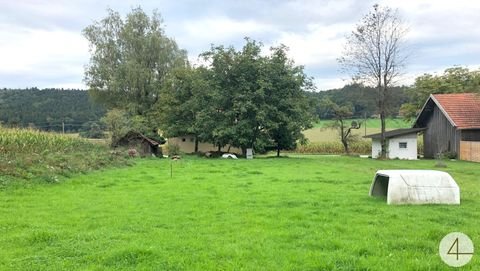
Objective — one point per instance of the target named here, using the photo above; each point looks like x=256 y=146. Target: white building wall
x=393 y=147
x=394 y=150
x=187 y=145
x=376 y=148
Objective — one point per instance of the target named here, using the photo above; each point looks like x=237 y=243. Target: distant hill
x=362 y=99
x=46 y=109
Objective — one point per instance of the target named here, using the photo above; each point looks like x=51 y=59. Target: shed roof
x=136 y=135
x=461 y=109
x=396 y=133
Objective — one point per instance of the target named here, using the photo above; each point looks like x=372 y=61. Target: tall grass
x=27 y=155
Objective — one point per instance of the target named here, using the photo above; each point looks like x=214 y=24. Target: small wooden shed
x=143 y=145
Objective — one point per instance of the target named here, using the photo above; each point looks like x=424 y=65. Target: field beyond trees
x=322 y=131
x=297 y=213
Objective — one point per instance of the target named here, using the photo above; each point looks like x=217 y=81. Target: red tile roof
x=462 y=108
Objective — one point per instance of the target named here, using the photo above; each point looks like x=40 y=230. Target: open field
x=297 y=213
x=322 y=133
x=371 y=123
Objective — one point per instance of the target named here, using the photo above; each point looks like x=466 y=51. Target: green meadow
x=295 y=213
x=323 y=133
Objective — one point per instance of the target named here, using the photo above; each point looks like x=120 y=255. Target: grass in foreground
x=302 y=213
x=28 y=156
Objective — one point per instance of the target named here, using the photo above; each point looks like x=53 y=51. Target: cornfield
x=30 y=155
x=359 y=147
x=15 y=141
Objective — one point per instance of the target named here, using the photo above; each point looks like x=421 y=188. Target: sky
x=41 y=44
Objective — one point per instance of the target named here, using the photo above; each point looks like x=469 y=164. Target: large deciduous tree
x=375 y=54
x=130 y=59
x=240 y=98
x=259 y=100
x=185 y=97
x=239 y=75
x=289 y=112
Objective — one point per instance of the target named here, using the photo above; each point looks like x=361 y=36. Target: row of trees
x=245 y=98
x=240 y=98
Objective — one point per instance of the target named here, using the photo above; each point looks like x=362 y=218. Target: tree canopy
x=241 y=98
x=453 y=80
x=130 y=59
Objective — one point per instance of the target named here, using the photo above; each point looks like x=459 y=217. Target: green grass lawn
x=297 y=213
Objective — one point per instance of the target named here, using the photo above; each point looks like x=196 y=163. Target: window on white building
x=402 y=145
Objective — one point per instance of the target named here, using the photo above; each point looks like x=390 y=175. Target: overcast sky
x=41 y=43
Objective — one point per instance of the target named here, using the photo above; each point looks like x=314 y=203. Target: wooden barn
x=143 y=145
x=452 y=123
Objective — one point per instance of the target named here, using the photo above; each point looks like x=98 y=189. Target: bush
x=173 y=149
x=92 y=130
x=446 y=155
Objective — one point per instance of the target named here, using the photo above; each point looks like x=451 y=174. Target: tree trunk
x=244 y=152
x=219 y=148
x=345 y=146
x=278 y=150
x=196 y=144
x=383 y=141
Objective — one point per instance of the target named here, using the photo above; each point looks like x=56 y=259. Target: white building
x=401 y=143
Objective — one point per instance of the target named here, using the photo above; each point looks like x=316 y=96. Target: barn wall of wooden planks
x=470 y=151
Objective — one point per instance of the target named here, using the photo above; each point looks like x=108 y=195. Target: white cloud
x=41 y=42
x=321 y=44
x=208 y=30
x=329 y=83
x=43 y=53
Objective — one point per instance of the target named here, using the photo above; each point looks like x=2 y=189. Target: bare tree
x=375 y=54
x=341 y=114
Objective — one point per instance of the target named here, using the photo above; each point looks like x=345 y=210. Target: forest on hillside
x=47 y=109
x=361 y=100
